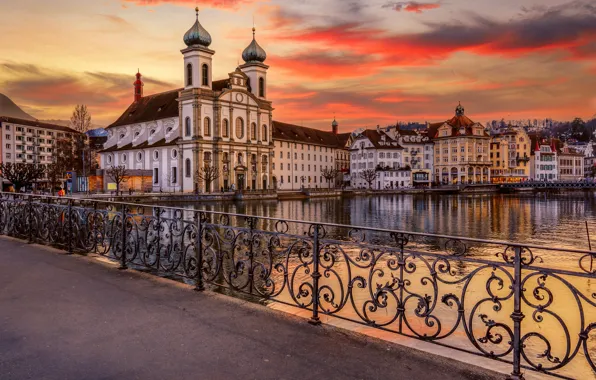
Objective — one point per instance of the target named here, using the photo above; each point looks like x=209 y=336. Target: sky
x=366 y=62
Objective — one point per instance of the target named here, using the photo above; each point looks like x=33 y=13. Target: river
x=528 y=218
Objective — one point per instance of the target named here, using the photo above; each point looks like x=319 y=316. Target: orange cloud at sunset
x=368 y=63
x=411 y=6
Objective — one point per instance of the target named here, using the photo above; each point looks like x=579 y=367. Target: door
x=240 y=181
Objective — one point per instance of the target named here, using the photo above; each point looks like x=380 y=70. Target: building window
x=253 y=131
x=207 y=156
x=174 y=174
x=239 y=128
x=156 y=155
x=207 y=127
x=265 y=134
x=189 y=75
x=187 y=128
x=139 y=156
x=174 y=153
x=187 y=167
x=155 y=175
x=226 y=128
x=262 y=87
x=123 y=157
x=205 y=75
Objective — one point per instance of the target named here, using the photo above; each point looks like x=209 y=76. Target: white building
x=418 y=154
x=543 y=161
x=225 y=124
x=571 y=164
x=376 y=150
x=302 y=155
x=30 y=142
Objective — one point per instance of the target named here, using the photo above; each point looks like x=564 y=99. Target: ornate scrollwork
x=445 y=290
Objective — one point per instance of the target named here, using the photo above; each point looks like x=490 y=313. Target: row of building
x=165 y=140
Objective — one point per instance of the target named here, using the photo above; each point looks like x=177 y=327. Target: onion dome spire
x=197 y=35
x=254 y=52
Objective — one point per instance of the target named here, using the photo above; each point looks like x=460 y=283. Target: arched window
x=187 y=167
x=225 y=128
x=239 y=128
x=262 y=87
x=205 y=76
x=253 y=131
x=207 y=127
x=189 y=75
x=187 y=128
x=265 y=134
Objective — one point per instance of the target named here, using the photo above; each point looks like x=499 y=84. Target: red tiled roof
x=296 y=133
x=149 y=108
x=375 y=137
x=456 y=123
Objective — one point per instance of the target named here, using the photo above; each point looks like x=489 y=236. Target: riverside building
x=30 y=142
x=304 y=155
x=461 y=150
x=223 y=124
x=376 y=150
x=510 y=152
x=543 y=162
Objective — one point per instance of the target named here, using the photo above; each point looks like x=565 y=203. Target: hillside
x=10 y=109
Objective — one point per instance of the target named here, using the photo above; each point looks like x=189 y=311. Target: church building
x=224 y=125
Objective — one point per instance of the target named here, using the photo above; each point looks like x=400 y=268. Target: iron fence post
x=69 y=236
x=517 y=316
x=199 y=285
x=30 y=219
x=123 y=257
x=95 y=234
x=315 y=320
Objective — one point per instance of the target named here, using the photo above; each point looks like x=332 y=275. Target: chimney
x=138 y=87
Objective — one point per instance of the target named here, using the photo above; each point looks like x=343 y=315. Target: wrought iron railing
x=531 y=306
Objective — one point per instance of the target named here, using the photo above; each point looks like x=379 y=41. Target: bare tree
x=20 y=174
x=80 y=120
x=330 y=175
x=369 y=176
x=118 y=174
x=208 y=173
x=55 y=174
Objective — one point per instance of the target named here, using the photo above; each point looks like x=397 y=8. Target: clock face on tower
x=239 y=98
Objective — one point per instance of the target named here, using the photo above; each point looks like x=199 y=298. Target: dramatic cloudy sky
x=367 y=61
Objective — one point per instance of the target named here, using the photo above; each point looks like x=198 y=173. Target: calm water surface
x=535 y=219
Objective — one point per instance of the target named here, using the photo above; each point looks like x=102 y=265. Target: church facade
x=208 y=126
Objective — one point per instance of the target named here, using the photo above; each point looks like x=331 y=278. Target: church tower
x=254 y=67
x=197 y=57
x=138 y=87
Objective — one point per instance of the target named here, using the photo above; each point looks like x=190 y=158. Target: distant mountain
x=10 y=109
x=64 y=123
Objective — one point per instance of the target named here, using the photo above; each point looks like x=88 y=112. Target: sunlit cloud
x=411 y=6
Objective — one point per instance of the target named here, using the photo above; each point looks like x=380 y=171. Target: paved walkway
x=69 y=317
